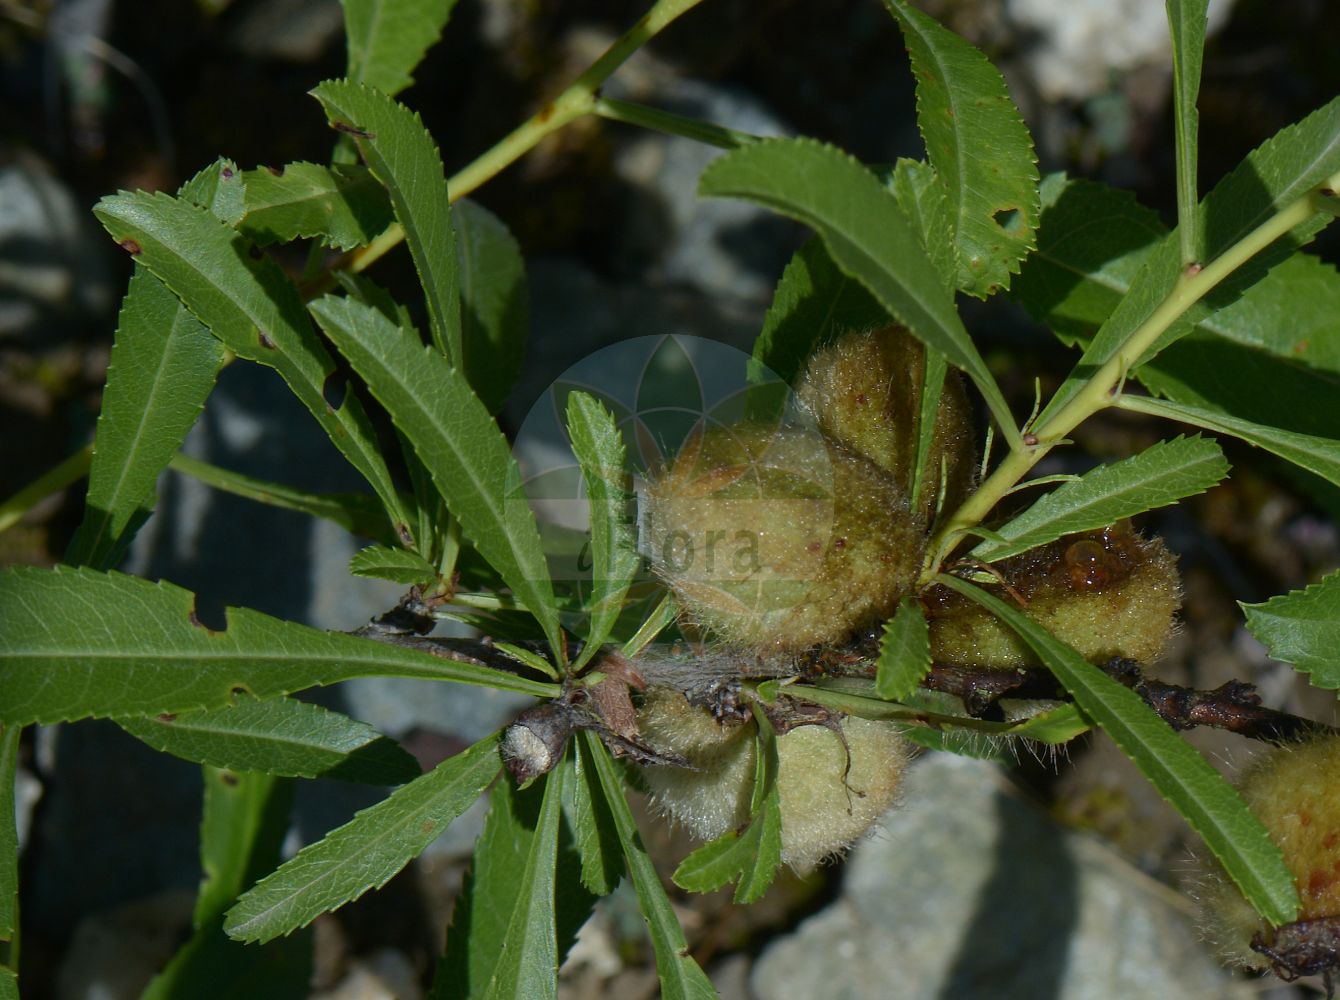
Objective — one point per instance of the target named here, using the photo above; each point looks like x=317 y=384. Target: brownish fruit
x=776 y=539
x=864 y=391
x=1107 y=593
x=828 y=799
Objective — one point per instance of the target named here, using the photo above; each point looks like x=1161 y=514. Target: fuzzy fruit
x=1107 y=593
x=1295 y=792
x=825 y=806
x=864 y=391
x=774 y=538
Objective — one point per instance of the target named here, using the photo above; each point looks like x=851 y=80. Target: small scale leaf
x=1316 y=454
x=1182 y=776
x=904 y=652
x=388 y=38
x=599 y=448
x=163 y=366
x=867 y=235
x=404 y=157
x=964 y=109
x=367 y=851
x=78 y=643
x=342 y=205
x=278 y=736
x=681 y=977
x=457 y=440
x=1158 y=476
x=1303 y=628
x=396 y=565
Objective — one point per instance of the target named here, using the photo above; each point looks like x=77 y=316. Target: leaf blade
x=963 y=107
x=458 y=441
x=386 y=39
x=495 y=302
x=278 y=736
x=1160 y=475
x=163 y=366
x=1303 y=628
x=79 y=643
x=599 y=448
x=342 y=205
x=1187 y=25
x=867 y=235
x=367 y=851
x=254 y=309
x=904 y=652
x=404 y=157
x=1174 y=767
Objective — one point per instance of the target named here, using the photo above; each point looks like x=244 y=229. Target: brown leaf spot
x=129 y=246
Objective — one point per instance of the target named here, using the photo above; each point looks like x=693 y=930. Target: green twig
x=62 y=476
x=578 y=100
x=1104 y=387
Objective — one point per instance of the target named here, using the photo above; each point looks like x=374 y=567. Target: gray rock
x=969 y=891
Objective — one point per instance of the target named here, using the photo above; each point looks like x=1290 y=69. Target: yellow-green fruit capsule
x=776 y=539
x=825 y=806
x=1295 y=792
x=1108 y=594
x=864 y=390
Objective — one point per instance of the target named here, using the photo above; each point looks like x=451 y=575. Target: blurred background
x=991 y=882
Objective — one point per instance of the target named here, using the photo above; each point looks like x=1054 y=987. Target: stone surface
x=967 y=890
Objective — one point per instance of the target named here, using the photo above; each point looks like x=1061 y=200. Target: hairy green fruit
x=864 y=390
x=1295 y=792
x=1108 y=594
x=775 y=538
x=825 y=803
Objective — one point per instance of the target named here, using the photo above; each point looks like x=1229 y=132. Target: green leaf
x=396 y=565
x=495 y=304
x=249 y=305
x=904 y=652
x=928 y=408
x=1186 y=22
x=342 y=205
x=163 y=366
x=964 y=111
x=9 y=984
x=1316 y=454
x=9 y=834
x=278 y=736
x=527 y=956
x=1182 y=776
x=367 y=851
x=1303 y=628
x=1054 y=726
x=388 y=38
x=357 y=513
x=1158 y=476
x=506 y=924
x=598 y=445
x=1283 y=169
x=402 y=154
x=220 y=189
x=78 y=643
x=246 y=817
x=681 y=977
x=588 y=815
x=815 y=302
x=456 y=439
x=867 y=234
x=753 y=855
x=922 y=196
